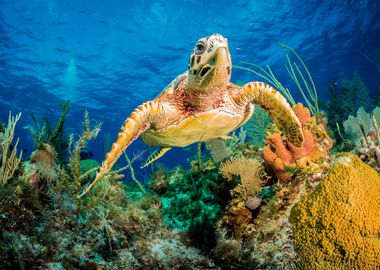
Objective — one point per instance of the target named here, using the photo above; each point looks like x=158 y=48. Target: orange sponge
x=280 y=154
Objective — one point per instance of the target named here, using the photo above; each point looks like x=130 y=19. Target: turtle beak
x=223 y=57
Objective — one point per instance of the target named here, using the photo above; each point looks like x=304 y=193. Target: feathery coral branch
x=9 y=161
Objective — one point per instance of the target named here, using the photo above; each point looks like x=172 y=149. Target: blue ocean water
x=107 y=57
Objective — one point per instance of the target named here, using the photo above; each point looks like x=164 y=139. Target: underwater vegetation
x=190 y=202
x=345 y=98
x=363 y=132
x=298 y=73
x=46 y=225
x=43 y=134
x=253 y=201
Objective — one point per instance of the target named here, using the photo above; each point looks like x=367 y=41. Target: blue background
x=108 y=57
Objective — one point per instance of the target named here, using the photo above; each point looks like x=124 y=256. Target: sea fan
x=257 y=126
x=250 y=172
x=358 y=127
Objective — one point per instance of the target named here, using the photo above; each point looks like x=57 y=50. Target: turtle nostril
x=204 y=71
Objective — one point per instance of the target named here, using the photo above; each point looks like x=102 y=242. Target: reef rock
x=337 y=226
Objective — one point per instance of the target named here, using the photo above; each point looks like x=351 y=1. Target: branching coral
x=75 y=177
x=74 y=161
x=133 y=176
x=105 y=225
x=44 y=135
x=9 y=159
x=281 y=157
x=337 y=226
x=59 y=126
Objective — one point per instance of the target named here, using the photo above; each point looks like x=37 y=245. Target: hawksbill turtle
x=200 y=105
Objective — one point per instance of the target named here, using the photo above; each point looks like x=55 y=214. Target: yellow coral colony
x=338 y=225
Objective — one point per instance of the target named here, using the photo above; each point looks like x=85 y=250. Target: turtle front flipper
x=276 y=105
x=139 y=121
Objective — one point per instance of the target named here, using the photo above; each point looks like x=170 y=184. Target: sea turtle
x=201 y=105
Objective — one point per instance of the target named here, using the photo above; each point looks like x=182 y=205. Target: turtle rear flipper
x=139 y=121
x=276 y=105
x=155 y=155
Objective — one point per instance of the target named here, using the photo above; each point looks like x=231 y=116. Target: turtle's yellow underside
x=200 y=127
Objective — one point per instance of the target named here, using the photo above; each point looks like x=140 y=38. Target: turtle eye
x=200 y=47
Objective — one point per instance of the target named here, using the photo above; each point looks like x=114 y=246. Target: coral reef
x=238 y=215
x=281 y=157
x=9 y=161
x=46 y=226
x=191 y=202
x=87 y=165
x=231 y=215
x=336 y=226
x=363 y=132
x=45 y=155
x=266 y=242
x=345 y=98
x=357 y=127
x=43 y=134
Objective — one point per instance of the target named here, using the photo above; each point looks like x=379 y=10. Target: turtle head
x=210 y=63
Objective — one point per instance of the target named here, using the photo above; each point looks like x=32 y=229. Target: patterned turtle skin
x=201 y=105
